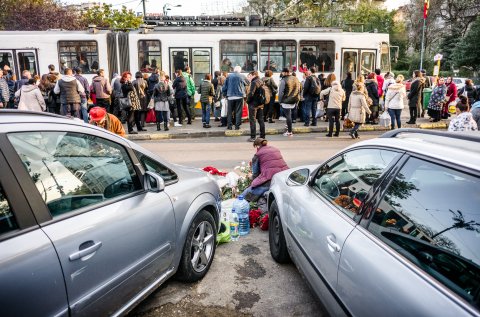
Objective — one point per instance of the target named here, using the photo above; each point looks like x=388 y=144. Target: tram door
x=358 y=62
x=199 y=60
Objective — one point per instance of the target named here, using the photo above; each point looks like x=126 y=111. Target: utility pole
x=144 y=10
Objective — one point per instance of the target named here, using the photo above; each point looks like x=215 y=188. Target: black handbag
x=125 y=103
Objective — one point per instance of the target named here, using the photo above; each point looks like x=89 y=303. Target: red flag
x=426 y=5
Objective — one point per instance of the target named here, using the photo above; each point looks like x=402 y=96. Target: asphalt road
x=243 y=279
x=227 y=152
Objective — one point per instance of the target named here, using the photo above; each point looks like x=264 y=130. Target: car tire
x=276 y=236
x=199 y=248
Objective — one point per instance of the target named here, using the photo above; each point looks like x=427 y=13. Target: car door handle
x=84 y=252
x=331 y=243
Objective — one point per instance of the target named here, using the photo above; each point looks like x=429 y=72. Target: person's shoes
x=222 y=125
x=237 y=128
x=142 y=130
x=207 y=126
x=271 y=121
x=328 y=135
x=217 y=119
x=306 y=125
x=166 y=129
x=132 y=132
x=251 y=140
x=189 y=122
x=229 y=128
x=288 y=134
x=282 y=119
x=176 y=124
x=313 y=124
x=409 y=122
x=336 y=134
x=356 y=135
x=423 y=114
x=352 y=135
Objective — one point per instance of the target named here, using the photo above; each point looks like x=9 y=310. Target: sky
x=193 y=7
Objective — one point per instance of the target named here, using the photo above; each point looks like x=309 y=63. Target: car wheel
x=199 y=248
x=276 y=236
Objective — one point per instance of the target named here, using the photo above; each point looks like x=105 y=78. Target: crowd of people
x=127 y=99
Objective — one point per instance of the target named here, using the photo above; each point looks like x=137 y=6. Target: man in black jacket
x=311 y=97
x=255 y=107
x=414 y=96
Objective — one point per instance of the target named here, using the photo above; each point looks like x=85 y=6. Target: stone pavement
x=196 y=130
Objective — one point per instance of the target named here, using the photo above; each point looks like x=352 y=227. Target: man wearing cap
x=100 y=118
x=266 y=162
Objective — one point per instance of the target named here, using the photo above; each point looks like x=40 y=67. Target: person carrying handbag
x=130 y=103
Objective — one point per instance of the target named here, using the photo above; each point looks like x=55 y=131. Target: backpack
x=160 y=92
x=263 y=94
x=315 y=88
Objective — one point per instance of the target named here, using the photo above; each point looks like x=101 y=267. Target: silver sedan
x=387 y=227
x=91 y=223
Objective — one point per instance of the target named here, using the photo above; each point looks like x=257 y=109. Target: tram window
x=83 y=54
x=385 y=58
x=26 y=61
x=367 y=63
x=318 y=54
x=238 y=53
x=6 y=58
x=275 y=55
x=149 y=55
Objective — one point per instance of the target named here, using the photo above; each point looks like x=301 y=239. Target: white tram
x=205 y=49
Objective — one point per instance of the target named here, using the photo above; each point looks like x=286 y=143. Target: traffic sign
x=437 y=57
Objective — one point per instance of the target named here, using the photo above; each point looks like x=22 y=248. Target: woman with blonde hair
x=395 y=101
x=357 y=108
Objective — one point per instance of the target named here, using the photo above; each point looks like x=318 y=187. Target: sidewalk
x=196 y=130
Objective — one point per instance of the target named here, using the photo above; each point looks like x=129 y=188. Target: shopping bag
x=320 y=112
x=151 y=118
x=223 y=112
x=245 y=112
x=347 y=123
x=385 y=120
x=151 y=104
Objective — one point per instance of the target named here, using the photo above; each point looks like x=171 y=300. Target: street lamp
x=168 y=7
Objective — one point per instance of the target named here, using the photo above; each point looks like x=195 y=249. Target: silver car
x=387 y=227
x=91 y=223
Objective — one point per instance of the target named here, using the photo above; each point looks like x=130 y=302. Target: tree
x=460 y=223
x=467 y=51
x=372 y=17
x=106 y=17
x=37 y=15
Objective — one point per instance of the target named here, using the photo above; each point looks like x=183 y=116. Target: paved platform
x=196 y=130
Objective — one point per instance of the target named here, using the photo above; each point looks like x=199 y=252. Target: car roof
x=14 y=116
x=456 y=148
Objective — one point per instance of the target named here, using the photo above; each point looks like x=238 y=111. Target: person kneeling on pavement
x=266 y=162
x=100 y=118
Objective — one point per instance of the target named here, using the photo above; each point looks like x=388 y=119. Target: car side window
x=346 y=179
x=430 y=214
x=7 y=218
x=151 y=165
x=74 y=170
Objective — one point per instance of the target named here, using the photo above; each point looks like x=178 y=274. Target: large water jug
x=242 y=208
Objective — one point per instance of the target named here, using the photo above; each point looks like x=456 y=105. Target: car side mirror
x=298 y=177
x=153 y=182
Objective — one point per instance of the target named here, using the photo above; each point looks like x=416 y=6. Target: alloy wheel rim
x=202 y=246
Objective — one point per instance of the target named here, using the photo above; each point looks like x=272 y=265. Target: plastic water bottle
x=242 y=207
x=234 y=235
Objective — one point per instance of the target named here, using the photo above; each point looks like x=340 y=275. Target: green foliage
x=105 y=17
x=373 y=18
x=466 y=53
x=37 y=15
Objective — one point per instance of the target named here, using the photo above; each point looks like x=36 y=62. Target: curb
x=270 y=131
